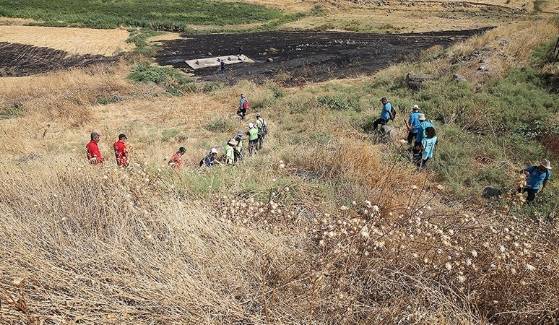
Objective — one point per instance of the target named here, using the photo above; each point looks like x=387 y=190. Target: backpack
x=246 y=105
x=264 y=129
x=392 y=113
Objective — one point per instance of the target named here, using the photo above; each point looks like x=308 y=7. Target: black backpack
x=392 y=113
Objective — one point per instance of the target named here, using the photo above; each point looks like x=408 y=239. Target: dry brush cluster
x=100 y=245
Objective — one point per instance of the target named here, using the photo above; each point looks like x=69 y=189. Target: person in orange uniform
x=93 y=153
x=121 y=151
x=176 y=160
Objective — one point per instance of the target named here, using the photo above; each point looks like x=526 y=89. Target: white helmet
x=251 y=125
x=415 y=107
x=213 y=150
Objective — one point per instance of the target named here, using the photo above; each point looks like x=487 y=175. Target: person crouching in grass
x=536 y=179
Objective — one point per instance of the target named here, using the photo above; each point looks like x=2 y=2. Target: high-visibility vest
x=253 y=134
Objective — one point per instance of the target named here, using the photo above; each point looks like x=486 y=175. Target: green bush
x=106 y=100
x=340 y=103
x=139 y=38
x=219 y=125
x=174 y=81
x=11 y=111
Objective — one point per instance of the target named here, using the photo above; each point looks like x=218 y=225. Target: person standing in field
x=93 y=153
x=252 y=138
x=536 y=179
x=413 y=124
x=262 y=130
x=244 y=105
x=121 y=151
x=176 y=160
x=387 y=113
x=230 y=152
x=239 y=147
x=428 y=144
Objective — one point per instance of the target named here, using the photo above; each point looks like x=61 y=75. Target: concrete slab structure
x=216 y=61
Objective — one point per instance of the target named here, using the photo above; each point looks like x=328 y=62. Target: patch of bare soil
x=23 y=60
x=301 y=56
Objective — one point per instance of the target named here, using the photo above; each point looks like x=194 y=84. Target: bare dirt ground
x=24 y=60
x=298 y=57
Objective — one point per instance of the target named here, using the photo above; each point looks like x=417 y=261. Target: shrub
x=174 y=81
x=11 y=111
x=339 y=103
x=219 y=125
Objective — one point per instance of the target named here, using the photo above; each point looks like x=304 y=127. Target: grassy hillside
x=324 y=225
x=171 y=15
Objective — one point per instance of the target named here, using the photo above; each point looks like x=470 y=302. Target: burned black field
x=299 y=57
x=18 y=60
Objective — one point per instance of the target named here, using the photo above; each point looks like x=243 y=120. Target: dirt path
x=299 y=57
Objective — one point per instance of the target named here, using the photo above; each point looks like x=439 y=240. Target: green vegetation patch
x=11 y=111
x=175 y=82
x=170 y=15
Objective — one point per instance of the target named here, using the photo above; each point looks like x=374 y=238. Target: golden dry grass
x=106 y=42
x=503 y=48
x=273 y=240
x=288 y=5
x=419 y=16
x=15 y=21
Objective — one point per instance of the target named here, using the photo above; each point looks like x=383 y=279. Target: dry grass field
x=71 y=40
x=325 y=225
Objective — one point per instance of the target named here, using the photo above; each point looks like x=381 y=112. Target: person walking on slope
x=424 y=123
x=239 y=147
x=121 y=151
x=387 y=113
x=428 y=144
x=244 y=105
x=262 y=130
x=211 y=159
x=252 y=138
x=413 y=124
x=176 y=159
x=93 y=153
x=536 y=179
x=230 y=152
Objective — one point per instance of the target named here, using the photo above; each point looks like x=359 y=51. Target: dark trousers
x=252 y=146
x=531 y=193
x=378 y=121
x=411 y=137
x=422 y=163
x=238 y=155
x=242 y=113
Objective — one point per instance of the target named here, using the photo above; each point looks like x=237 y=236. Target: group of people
x=120 y=147
x=233 y=151
x=255 y=134
x=422 y=139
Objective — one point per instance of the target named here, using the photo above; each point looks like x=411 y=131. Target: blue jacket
x=414 y=122
x=421 y=130
x=428 y=147
x=536 y=177
x=386 y=110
